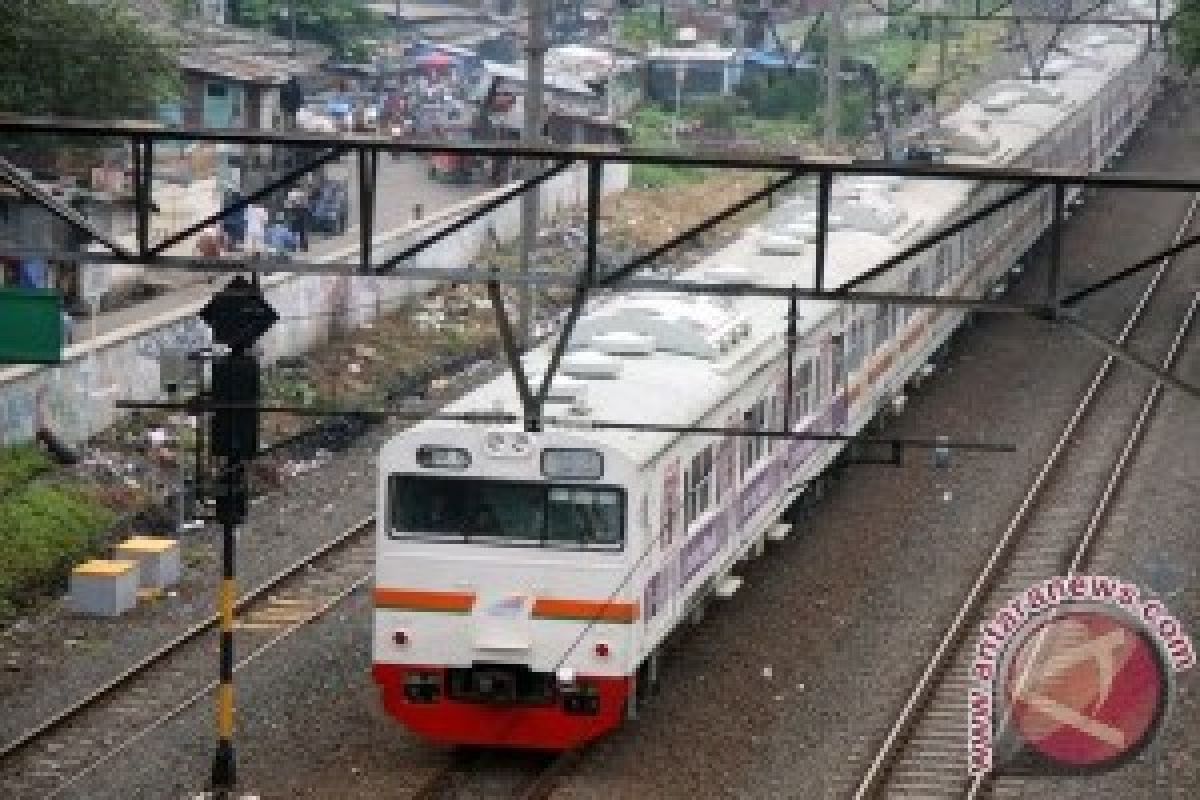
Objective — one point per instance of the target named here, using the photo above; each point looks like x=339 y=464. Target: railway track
x=62 y=750
x=492 y=775
x=1052 y=532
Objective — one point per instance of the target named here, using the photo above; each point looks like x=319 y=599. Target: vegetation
x=45 y=529
x=81 y=59
x=19 y=465
x=652 y=129
x=341 y=24
x=796 y=96
x=641 y=28
x=1185 y=28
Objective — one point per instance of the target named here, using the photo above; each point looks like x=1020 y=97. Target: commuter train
x=526 y=582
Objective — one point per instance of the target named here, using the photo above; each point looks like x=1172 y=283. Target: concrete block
x=104 y=588
x=158 y=560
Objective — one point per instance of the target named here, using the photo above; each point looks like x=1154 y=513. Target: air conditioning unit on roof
x=591 y=365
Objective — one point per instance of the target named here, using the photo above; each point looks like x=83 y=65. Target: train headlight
x=435 y=457
x=575 y=463
x=565 y=677
x=422 y=687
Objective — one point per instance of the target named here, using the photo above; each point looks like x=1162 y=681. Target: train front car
x=503 y=614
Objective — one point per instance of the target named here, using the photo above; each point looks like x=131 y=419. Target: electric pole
x=534 y=76
x=833 y=70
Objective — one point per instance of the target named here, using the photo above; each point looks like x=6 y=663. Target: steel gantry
x=782 y=172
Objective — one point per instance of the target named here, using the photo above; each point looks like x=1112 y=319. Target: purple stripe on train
x=701 y=546
x=832 y=420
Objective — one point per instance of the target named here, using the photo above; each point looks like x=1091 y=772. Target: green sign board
x=31 y=326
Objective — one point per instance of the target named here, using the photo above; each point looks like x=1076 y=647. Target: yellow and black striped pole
x=224 y=769
x=238 y=315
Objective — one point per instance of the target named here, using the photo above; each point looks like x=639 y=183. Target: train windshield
x=506 y=513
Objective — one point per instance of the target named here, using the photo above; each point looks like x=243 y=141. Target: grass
x=45 y=529
x=19 y=465
x=652 y=129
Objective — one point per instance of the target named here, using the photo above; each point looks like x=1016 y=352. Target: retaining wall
x=76 y=398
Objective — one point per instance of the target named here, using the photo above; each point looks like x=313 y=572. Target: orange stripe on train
x=587 y=610
x=543 y=607
x=422 y=600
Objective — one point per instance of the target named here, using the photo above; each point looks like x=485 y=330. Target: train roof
x=717 y=346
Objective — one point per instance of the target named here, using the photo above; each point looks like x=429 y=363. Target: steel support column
x=586 y=282
x=368 y=176
x=1057 y=230
x=824 y=190
x=512 y=353
x=143 y=190
x=791 y=337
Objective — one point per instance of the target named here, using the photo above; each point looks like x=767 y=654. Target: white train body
x=517 y=608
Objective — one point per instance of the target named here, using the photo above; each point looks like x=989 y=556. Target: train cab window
x=505 y=512
x=583 y=516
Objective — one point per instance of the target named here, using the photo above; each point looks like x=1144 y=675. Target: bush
x=44 y=531
x=19 y=465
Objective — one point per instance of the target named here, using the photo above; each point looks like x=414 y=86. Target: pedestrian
x=208 y=243
x=279 y=237
x=234 y=225
x=256 y=230
x=297 y=212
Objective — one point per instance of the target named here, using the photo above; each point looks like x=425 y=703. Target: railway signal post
x=238 y=315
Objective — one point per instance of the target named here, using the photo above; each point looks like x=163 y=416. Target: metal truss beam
x=1146 y=263
x=609 y=155
x=1123 y=352
x=575 y=423
x=512 y=353
x=27 y=187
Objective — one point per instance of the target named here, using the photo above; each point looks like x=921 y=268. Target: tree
x=84 y=60
x=1185 y=29
x=341 y=24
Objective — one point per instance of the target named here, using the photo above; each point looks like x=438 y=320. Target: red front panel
x=546 y=727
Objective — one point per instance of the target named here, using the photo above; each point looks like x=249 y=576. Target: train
x=526 y=582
